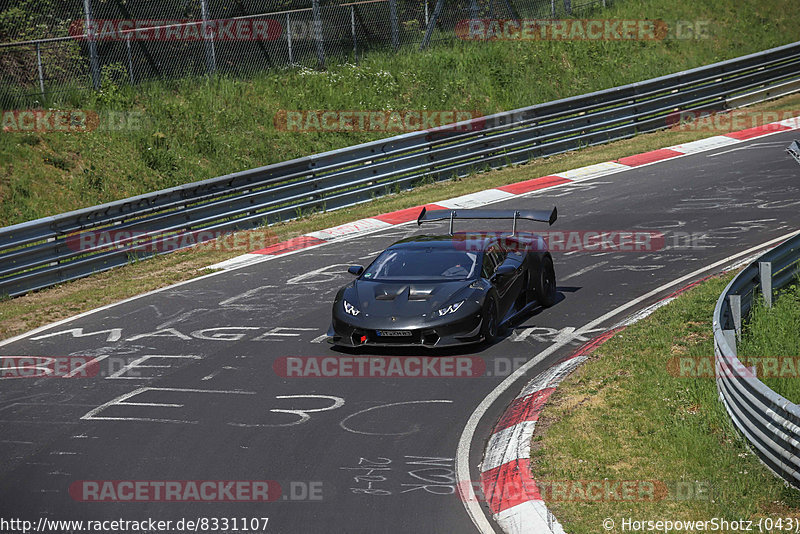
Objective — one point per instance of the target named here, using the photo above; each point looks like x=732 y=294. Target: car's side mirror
x=355 y=270
x=504 y=270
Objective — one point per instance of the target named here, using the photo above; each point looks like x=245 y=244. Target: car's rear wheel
x=546 y=283
x=489 y=328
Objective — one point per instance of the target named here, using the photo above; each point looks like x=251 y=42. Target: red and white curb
x=498 y=194
x=508 y=485
x=507 y=481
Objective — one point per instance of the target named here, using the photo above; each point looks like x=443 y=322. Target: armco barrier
x=37 y=254
x=768 y=421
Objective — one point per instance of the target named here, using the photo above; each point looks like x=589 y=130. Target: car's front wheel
x=489 y=328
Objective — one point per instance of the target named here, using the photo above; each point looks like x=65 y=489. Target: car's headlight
x=450 y=309
x=350 y=309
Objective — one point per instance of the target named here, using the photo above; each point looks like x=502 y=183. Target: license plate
x=393 y=333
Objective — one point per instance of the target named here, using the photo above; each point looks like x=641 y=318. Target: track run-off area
x=192 y=382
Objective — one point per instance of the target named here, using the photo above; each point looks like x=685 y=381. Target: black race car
x=443 y=290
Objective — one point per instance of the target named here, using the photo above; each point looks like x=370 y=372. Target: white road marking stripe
x=347 y=229
x=474 y=200
x=702 y=145
x=583 y=271
x=593 y=171
x=239 y=261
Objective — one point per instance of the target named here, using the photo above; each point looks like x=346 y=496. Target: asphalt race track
x=355 y=455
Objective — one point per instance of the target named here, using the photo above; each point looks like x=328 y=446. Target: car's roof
x=443 y=242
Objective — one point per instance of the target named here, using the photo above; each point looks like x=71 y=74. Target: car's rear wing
x=531 y=215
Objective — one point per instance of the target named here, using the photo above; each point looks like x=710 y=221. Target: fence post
x=511 y=10
x=437 y=10
x=318 y=33
x=130 y=58
x=765 y=274
x=473 y=9
x=289 y=39
x=394 y=24
x=94 y=63
x=426 y=13
x=353 y=32
x=552 y=8
x=39 y=64
x=208 y=37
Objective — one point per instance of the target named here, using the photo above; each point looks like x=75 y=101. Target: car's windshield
x=423 y=264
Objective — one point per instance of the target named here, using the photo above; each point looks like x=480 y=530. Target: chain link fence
x=53 y=48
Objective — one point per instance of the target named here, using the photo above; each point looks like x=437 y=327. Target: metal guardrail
x=770 y=422
x=41 y=253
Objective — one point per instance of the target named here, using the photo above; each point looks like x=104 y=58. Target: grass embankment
x=200 y=128
x=771 y=340
x=626 y=414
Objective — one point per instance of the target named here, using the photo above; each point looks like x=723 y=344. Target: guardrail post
x=318 y=32
x=730 y=337
x=94 y=63
x=736 y=313
x=41 y=72
x=765 y=274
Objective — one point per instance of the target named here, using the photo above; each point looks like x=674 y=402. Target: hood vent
x=414 y=293
x=419 y=294
x=387 y=293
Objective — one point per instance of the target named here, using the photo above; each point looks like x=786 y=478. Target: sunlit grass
x=775 y=332
x=624 y=415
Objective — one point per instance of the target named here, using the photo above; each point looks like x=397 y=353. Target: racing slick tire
x=489 y=329
x=545 y=286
